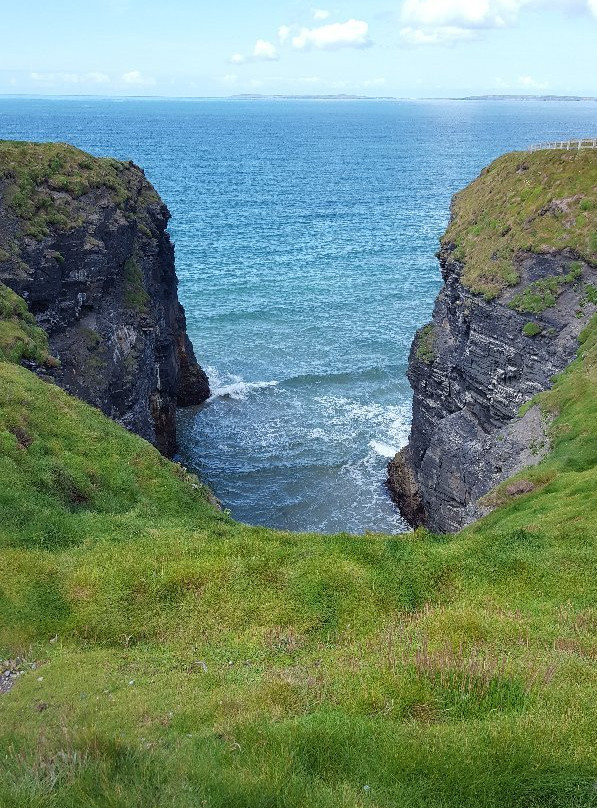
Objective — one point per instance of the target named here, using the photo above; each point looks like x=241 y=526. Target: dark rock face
x=471 y=371
x=104 y=288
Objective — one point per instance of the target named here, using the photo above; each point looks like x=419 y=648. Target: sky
x=404 y=48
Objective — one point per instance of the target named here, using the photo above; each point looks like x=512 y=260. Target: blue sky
x=412 y=48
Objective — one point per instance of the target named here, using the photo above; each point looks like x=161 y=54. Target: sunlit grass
x=537 y=202
x=185 y=659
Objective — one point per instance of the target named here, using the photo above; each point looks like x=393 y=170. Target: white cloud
x=98 y=78
x=373 y=83
x=263 y=51
x=136 y=79
x=284 y=32
x=349 y=34
x=56 y=78
x=461 y=13
x=320 y=14
x=529 y=83
x=70 y=78
x=447 y=21
x=480 y=13
x=522 y=82
x=441 y=35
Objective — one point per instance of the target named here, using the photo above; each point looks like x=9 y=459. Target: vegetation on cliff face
x=540 y=295
x=44 y=180
x=185 y=659
x=84 y=241
x=538 y=202
x=20 y=338
x=424 y=348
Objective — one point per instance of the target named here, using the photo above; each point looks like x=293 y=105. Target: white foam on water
x=383 y=449
x=232 y=386
x=387 y=425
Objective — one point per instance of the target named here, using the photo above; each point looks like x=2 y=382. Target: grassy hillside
x=538 y=202
x=172 y=656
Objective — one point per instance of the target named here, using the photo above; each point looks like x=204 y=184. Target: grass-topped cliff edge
x=538 y=202
x=170 y=656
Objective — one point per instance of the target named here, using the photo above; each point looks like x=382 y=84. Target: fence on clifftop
x=567 y=145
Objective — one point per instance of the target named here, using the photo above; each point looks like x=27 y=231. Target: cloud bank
x=349 y=34
x=429 y=22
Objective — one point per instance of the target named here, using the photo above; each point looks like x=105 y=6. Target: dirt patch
x=519 y=487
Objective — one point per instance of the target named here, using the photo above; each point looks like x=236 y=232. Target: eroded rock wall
x=471 y=370
x=99 y=276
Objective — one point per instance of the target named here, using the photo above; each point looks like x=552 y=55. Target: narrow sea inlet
x=305 y=235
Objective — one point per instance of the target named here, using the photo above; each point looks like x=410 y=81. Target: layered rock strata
x=84 y=242
x=471 y=370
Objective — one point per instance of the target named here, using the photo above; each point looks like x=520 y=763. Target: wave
x=238 y=391
x=233 y=387
x=341 y=377
x=383 y=449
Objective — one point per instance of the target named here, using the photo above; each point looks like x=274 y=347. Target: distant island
x=525 y=98
x=351 y=97
x=337 y=97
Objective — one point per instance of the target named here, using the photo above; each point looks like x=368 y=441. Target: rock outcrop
x=84 y=242
x=481 y=358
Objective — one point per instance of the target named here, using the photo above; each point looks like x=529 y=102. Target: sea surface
x=305 y=235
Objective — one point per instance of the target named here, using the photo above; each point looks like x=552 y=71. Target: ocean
x=305 y=236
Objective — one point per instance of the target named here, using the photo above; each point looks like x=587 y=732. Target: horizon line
x=303 y=96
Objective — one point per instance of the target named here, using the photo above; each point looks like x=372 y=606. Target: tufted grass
x=184 y=659
x=44 y=181
x=538 y=202
x=170 y=656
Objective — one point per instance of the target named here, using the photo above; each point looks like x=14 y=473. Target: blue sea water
x=305 y=235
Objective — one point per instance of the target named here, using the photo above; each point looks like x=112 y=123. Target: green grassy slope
x=188 y=660
x=538 y=202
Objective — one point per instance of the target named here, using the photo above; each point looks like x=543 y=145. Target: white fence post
x=576 y=143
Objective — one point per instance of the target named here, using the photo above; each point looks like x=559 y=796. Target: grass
x=173 y=656
x=531 y=329
x=45 y=181
x=168 y=655
x=135 y=294
x=425 y=344
x=20 y=338
x=536 y=202
x=590 y=294
x=540 y=295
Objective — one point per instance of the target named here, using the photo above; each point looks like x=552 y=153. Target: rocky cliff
x=519 y=267
x=84 y=242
